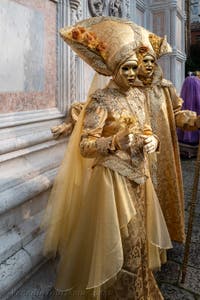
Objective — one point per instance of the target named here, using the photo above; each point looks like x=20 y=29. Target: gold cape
x=163 y=105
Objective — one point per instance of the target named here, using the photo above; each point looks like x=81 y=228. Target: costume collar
x=113 y=85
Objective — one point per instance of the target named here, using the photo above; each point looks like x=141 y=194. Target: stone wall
x=39 y=78
x=31 y=101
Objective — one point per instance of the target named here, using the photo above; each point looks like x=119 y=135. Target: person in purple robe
x=190 y=93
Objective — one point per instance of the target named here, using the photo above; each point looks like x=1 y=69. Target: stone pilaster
x=168 y=19
x=74 y=5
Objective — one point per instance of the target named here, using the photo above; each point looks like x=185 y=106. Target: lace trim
x=105 y=145
x=123 y=168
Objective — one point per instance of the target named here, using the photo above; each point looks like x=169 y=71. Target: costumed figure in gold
x=164 y=107
x=103 y=216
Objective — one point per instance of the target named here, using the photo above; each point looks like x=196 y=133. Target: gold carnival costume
x=164 y=107
x=103 y=216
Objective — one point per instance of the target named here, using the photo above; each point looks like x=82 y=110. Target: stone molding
x=27 y=117
x=163 y=5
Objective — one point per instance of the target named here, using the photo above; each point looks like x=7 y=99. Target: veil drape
x=70 y=182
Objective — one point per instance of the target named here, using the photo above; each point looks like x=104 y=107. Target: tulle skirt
x=111 y=251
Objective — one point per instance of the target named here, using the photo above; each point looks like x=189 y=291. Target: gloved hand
x=61 y=129
x=185 y=118
x=198 y=122
x=123 y=140
x=150 y=143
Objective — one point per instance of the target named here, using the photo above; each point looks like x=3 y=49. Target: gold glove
x=123 y=139
x=198 y=122
x=62 y=129
x=185 y=118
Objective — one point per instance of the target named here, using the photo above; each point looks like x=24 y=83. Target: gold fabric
x=97 y=196
x=135 y=280
x=163 y=105
x=87 y=220
x=72 y=170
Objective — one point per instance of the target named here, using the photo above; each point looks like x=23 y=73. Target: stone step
x=15 y=270
x=19 y=194
x=17 y=238
x=16 y=216
x=39 y=286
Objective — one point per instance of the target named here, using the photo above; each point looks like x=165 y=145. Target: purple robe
x=190 y=93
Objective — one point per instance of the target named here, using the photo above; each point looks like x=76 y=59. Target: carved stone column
x=74 y=14
x=168 y=19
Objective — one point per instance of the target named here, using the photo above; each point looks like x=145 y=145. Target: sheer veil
x=73 y=171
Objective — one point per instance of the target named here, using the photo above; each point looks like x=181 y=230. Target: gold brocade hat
x=106 y=42
x=159 y=48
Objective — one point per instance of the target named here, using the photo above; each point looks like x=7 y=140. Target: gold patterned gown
x=108 y=224
x=120 y=230
x=165 y=115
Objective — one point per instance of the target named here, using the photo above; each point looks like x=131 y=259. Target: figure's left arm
x=184 y=119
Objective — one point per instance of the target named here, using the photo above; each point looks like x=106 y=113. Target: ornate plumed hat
x=106 y=42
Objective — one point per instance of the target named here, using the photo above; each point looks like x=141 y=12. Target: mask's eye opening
x=134 y=67
x=125 y=68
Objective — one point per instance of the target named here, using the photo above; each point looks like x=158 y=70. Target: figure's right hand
x=123 y=140
x=61 y=129
x=150 y=143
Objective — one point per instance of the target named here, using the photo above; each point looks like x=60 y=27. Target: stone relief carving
x=115 y=8
x=79 y=12
x=75 y=6
x=96 y=7
x=127 y=9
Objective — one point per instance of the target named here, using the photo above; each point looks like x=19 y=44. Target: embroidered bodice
x=109 y=111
